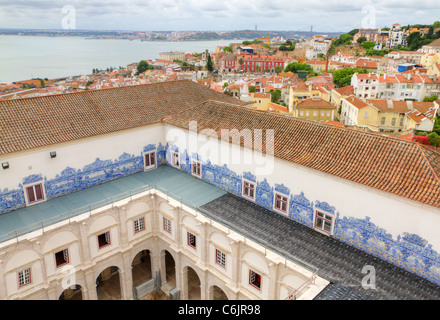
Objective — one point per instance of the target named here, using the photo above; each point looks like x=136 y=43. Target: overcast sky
x=148 y=15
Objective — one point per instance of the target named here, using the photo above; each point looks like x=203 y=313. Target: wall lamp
x=5 y=165
x=53 y=154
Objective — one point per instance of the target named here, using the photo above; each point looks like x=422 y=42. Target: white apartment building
x=401 y=87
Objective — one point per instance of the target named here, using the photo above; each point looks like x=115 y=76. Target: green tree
x=430 y=99
x=367 y=45
x=295 y=67
x=342 y=77
x=353 y=32
x=345 y=38
x=246 y=43
x=143 y=66
x=434 y=139
x=361 y=39
x=283 y=48
x=227 y=49
x=225 y=85
x=42 y=83
x=275 y=95
x=209 y=64
x=252 y=89
x=278 y=69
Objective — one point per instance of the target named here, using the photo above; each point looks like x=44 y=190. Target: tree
x=353 y=32
x=42 y=83
x=282 y=48
x=278 y=69
x=252 y=89
x=209 y=64
x=342 y=77
x=246 y=43
x=225 y=85
x=434 y=139
x=361 y=39
x=143 y=66
x=367 y=45
x=227 y=49
x=295 y=67
x=321 y=56
x=345 y=38
x=430 y=99
x=275 y=95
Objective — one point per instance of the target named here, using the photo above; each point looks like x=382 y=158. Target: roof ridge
x=428 y=162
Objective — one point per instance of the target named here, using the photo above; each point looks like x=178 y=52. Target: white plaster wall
x=255 y=262
x=220 y=242
x=22 y=259
x=76 y=154
x=98 y=226
x=189 y=224
x=166 y=211
x=393 y=213
x=137 y=211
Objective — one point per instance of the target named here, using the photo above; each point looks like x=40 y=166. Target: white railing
x=295 y=293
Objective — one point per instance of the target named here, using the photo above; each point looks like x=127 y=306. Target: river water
x=26 y=57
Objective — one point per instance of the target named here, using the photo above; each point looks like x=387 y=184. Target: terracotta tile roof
x=400 y=106
x=345 y=91
x=358 y=103
x=36 y=122
x=315 y=103
x=391 y=165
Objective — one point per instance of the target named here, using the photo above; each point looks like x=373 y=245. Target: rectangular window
x=249 y=189
x=220 y=258
x=167 y=225
x=393 y=122
x=35 y=193
x=175 y=159
x=254 y=279
x=24 y=277
x=196 y=168
x=382 y=121
x=366 y=115
x=191 y=240
x=104 y=239
x=281 y=202
x=62 y=257
x=323 y=222
x=150 y=160
x=401 y=122
x=139 y=225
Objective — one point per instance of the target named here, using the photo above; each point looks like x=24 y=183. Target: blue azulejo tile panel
x=70 y=180
x=409 y=251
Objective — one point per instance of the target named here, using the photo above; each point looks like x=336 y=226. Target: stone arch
x=217 y=292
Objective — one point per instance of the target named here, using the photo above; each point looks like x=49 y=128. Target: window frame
x=33 y=185
x=223 y=255
x=325 y=219
x=188 y=236
x=196 y=164
x=65 y=253
x=250 y=277
x=173 y=154
x=253 y=188
x=164 y=224
x=286 y=202
x=150 y=167
x=107 y=239
x=28 y=269
x=143 y=224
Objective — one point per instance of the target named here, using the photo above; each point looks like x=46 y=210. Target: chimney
x=390 y=104
x=410 y=105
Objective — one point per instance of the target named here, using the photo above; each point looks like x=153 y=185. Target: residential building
x=171 y=56
x=261 y=100
x=388 y=115
x=433 y=47
x=315 y=109
x=259 y=63
x=338 y=94
x=401 y=87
